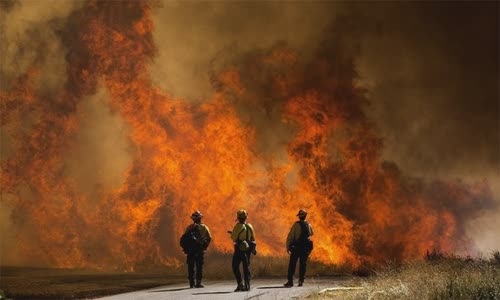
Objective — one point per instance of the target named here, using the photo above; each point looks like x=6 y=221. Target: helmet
x=196 y=215
x=241 y=214
x=302 y=213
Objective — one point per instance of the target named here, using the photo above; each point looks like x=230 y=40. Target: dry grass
x=438 y=278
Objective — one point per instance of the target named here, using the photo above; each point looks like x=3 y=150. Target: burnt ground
x=46 y=283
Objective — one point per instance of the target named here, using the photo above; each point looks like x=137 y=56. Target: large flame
x=214 y=157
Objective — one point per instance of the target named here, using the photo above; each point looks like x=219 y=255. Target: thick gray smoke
x=191 y=36
x=431 y=69
x=433 y=79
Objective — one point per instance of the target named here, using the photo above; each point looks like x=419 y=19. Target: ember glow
x=211 y=156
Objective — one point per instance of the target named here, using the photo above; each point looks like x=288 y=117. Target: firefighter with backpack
x=244 y=245
x=299 y=246
x=194 y=242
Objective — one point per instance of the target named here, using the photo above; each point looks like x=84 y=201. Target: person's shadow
x=170 y=290
x=213 y=293
x=187 y=288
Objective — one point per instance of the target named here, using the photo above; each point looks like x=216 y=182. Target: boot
x=191 y=283
x=239 y=288
x=301 y=282
x=288 y=284
x=199 y=285
x=247 y=285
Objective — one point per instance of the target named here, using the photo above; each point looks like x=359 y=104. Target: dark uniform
x=241 y=235
x=299 y=246
x=195 y=257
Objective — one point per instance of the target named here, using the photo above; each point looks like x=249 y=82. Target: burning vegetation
x=215 y=156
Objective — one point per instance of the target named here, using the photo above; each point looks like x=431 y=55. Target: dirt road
x=223 y=290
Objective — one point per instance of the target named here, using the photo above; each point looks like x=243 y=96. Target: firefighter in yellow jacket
x=299 y=246
x=195 y=255
x=244 y=245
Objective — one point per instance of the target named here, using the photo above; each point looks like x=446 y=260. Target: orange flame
x=210 y=157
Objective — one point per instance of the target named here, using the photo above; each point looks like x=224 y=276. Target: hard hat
x=197 y=214
x=302 y=213
x=241 y=214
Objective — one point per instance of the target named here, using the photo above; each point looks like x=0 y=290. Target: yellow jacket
x=239 y=232
x=295 y=231
x=202 y=230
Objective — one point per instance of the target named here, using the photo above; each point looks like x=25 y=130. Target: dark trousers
x=297 y=255
x=195 y=266
x=241 y=257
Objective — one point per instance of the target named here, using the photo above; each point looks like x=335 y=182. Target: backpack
x=190 y=241
x=252 y=245
x=247 y=245
x=303 y=241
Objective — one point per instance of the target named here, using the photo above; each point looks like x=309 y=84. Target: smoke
x=29 y=35
x=430 y=69
x=432 y=75
x=430 y=72
x=192 y=36
x=434 y=83
x=101 y=154
x=97 y=157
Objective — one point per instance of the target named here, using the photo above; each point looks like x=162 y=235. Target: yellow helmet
x=241 y=214
x=196 y=215
x=302 y=213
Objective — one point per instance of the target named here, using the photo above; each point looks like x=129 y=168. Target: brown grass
x=439 y=278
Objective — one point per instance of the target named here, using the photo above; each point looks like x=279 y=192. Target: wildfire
x=213 y=157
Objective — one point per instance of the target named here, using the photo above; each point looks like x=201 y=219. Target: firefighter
x=201 y=238
x=299 y=246
x=242 y=236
